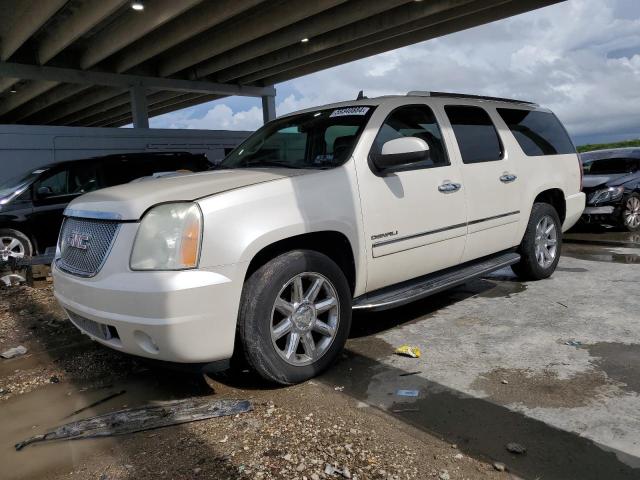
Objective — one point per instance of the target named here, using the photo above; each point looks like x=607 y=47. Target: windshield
x=612 y=166
x=18 y=183
x=321 y=139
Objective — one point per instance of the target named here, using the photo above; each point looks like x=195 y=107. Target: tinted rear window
x=477 y=137
x=538 y=133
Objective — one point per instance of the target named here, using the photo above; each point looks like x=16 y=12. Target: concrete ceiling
x=70 y=62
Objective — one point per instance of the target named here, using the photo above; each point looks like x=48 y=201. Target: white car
x=367 y=204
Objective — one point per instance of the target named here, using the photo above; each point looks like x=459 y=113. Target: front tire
x=631 y=213
x=295 y=316
x=14 y=244
x=541 y=245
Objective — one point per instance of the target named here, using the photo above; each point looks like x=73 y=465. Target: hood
x=131 y=200
x=592 y=181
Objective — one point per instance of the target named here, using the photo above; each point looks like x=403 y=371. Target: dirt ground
x=309 y=431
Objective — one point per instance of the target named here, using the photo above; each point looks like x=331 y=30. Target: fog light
x=145 y=342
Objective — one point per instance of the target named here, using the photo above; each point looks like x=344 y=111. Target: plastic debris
x=516 y=448
x=339 y=388
x=408 y=351
x=501 y=467
x=131 y=420
x=14 y=352
x=408 y=393
x=96 y=403
x=573 y=343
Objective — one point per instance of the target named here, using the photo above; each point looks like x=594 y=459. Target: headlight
x=610 y=194
x=168 y=238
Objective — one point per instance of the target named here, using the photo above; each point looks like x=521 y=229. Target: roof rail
x=418 y=93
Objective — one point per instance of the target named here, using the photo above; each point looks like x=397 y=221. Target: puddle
x=544 y=389
x=572 y=270
x=478 y=426
x=601 y=254
x=48 y=407
x=619 y=361
x=604 y=238
x=503 y=289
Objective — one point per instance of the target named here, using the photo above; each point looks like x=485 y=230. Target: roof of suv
x=375 y=101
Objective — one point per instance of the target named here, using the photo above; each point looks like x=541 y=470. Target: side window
x=414 y=121
x=83 y=178
x=538 y=133
x=477 y=137
x=57 y=184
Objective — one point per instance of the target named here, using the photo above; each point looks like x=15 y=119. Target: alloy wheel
x=631 y=214
x=304 y=318
x=11 y=247
x=546 y=242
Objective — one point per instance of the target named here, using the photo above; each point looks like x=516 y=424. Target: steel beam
x=68 y=75
x=131 y=27
x=200 y=18
x=53 y=96
x=268 y=108
x=392 y=22
x=310 y=27
x=30 y=91
x=364 y=48
x=78 y=107
x=27 y=24
x=139 y=107
x=78 y=20
x=249 y=27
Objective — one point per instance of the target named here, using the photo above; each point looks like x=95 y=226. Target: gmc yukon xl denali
x=367 y=204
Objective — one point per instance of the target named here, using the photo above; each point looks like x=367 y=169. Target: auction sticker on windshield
x=342 y=112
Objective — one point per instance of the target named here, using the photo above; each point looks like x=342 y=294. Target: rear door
x=412 y=225
x=490 y=180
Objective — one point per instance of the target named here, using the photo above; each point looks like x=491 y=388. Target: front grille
x=84 y=245
x=103 y=332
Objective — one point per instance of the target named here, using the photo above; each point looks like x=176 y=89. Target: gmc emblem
x=79 y=240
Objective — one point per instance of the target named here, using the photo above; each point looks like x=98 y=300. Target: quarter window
x=538 y=133
x=475 y=133
x=414 y=121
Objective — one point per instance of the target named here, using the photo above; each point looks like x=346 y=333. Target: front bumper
x=186 y=316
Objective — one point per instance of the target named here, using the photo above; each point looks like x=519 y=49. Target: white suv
x=359 y=205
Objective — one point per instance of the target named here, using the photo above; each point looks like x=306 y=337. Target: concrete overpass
x=107 y=63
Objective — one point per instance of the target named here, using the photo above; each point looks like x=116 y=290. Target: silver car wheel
x=304 y=319
x=11 y=247
x=546 y=242
x=631 y=212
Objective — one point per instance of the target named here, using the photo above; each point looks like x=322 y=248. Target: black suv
x=31 y=206
x=612 y=186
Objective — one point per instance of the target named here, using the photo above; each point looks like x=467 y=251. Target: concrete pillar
x=139 y=107
x=268 y=108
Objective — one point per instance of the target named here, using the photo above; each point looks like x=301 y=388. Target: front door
x=490 y=180
x=415 y=218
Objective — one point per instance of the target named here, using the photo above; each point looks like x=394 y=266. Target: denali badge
x=79 y=240
x=384 y=235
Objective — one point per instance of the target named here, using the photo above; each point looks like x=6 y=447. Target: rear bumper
x=575 y=206
x=184 y=317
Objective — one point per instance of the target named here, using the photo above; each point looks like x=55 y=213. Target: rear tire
x=630 y=217
x=541 y=245
x=14 y=244
x=295 y=316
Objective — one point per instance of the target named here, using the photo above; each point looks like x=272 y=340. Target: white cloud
x=580 y=58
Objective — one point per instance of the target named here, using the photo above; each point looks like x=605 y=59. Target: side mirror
x=44 y=191
x=401 y=151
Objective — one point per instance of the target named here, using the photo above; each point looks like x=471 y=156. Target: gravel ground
x=309 y=431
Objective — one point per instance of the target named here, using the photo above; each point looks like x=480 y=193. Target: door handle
x=449 y=187
x=508 y=178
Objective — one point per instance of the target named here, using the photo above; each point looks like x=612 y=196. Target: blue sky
x=581 y=58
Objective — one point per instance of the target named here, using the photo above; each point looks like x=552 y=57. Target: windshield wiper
x=268 y=163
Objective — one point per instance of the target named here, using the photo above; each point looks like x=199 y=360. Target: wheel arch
x=554 y=197
x=332 y=243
